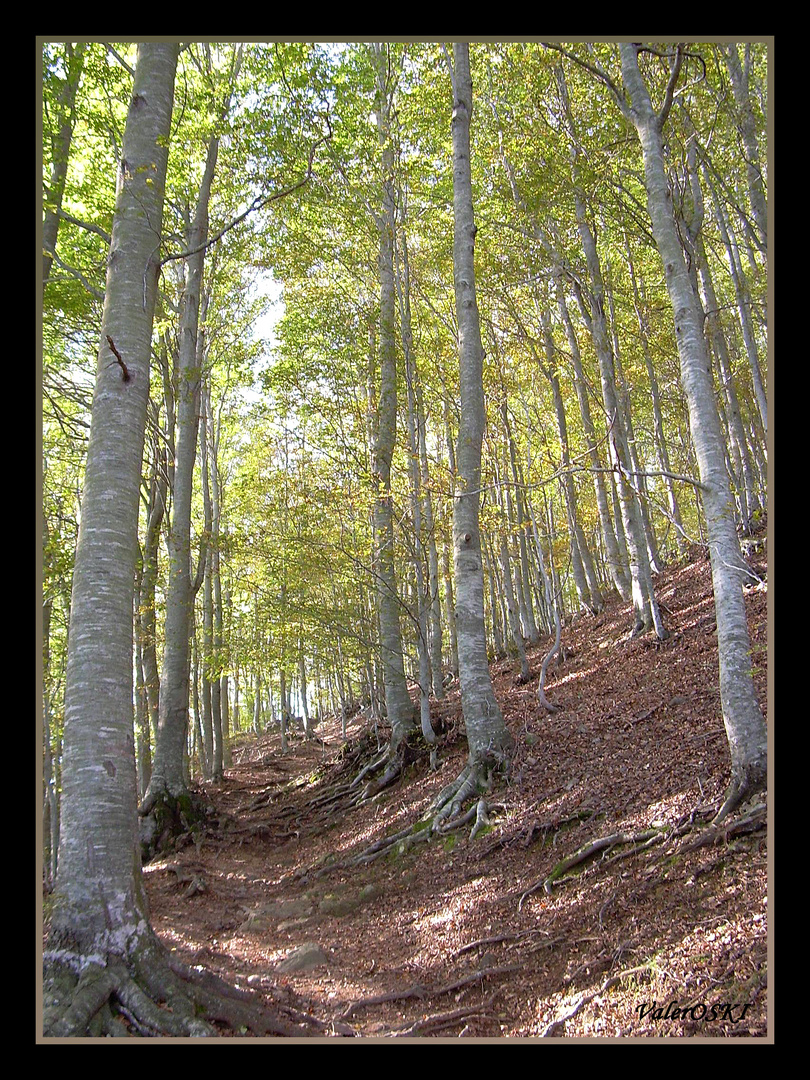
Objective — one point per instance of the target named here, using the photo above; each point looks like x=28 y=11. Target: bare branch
x=258 y=203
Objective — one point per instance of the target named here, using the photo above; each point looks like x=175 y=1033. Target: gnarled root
x=149 y=994
x=393 y=761
x=744 y=784
x=166 y=818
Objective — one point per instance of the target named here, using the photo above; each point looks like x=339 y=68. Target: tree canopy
x=310 y=187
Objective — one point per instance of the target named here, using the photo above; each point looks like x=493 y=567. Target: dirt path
x=459 y=938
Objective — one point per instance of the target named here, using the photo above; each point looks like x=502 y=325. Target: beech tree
x=369 y=501
x=745 y=726
x=100 y=945
x=99 y=921
x=488 y=737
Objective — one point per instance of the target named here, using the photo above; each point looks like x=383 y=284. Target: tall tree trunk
x=661 y=446
x=168 y=781
x=60 y=152
x=743 y=471
x=743 y=719
x=740 y=82
x=616 y=562
x=423 y=599
x=397 y=699
x=638 y=473
x=434 y=611
x=509 y=592
x=101 y=910
x=584 y=571
x=743 y=295
x=488 y=737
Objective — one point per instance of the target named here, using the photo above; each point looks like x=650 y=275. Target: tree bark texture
x=167 y=770
x=397 y=699
x=487 y=734
x=743 y=719
x=98 y=906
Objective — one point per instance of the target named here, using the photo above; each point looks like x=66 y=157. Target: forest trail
x=461 y=938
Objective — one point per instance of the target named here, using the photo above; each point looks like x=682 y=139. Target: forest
x=403 y=647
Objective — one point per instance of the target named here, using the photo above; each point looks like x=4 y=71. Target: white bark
x=744 y=723
x=487 y=734
x=397 y=700
x=167 y=770
x=98 y=886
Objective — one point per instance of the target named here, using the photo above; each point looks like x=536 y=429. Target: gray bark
x=743 y=719
x=487 y=734
x=511 y=607
x=638 y=473
x=582 y=566
x=740 y=82
x=661 y=446
x=167 y=770
x=99 y=905
x=645 y=606
x=65 y=108
x=423 y=597
x=616 y=563
x=743 y=296
x=435 y=617
x=397 y=699
x=743 y=472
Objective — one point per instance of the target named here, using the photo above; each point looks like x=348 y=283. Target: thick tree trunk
x=745 y=725
x=488 y=737
x=99 y=908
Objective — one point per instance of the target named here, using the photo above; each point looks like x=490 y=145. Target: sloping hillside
x=656 y=927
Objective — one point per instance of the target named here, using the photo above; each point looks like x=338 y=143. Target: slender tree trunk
x=661 y=446
x=60 y=152
x=450 y=610
x=488 y=737
x=645 y=606
x=585 y=579
x=168 y=780
x=745 y=725
x=434 y=612
x=497 y=615
x=742 y=293
x=616 y=562
x=638 y=473
x=423 y=599
x=511 y=607
x=397 y=699
x=743 y=471
x=740 y=82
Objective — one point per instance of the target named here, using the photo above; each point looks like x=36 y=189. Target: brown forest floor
x=458 y=938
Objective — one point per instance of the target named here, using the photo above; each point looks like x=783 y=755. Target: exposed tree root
x=150 y=994
x=752 y=821
x=166 y=818
x=393 y=762
x=755 y=819
x=744 y=784
x=587 y=851
x=438 y=1021
x=421 y=992
x=556 y=1026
